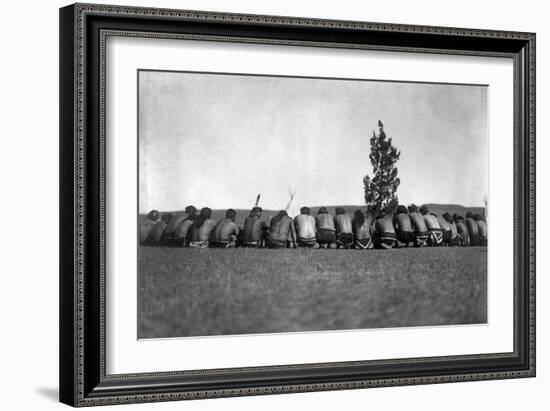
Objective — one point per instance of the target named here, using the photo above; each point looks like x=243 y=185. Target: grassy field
x=196 y=292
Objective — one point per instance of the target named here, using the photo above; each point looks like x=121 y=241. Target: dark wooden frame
x=83 y=29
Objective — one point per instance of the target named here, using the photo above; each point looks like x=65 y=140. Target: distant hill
x=452 y=209
x=350 y=209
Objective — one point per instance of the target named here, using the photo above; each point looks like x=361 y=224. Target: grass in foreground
x=193 y=292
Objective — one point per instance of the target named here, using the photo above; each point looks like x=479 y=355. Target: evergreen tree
x=381 y=188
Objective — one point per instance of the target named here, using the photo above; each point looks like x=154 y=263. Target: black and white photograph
x=277 y=199
x=279 y=204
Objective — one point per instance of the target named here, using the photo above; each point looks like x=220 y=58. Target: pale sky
x=218 y=140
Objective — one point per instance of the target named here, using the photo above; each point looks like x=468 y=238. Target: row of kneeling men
x=408 y=227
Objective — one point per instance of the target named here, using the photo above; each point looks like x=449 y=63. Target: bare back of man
x=145 y=228
x=419 y=227
x=446 y=228
x=482 y=230
x=325 y=222
x=326 y=231
x=203 y=232
x=384 y=233
x=281 y=230
x=403 y=227
x=182 y=231
x=482 y=226
x=202 y=229
x=462 y=229
x=444 y=224
x=362 y=230
x=255 y=228
x=225 y=234
x=305 y=228
x=434 y=229
x=473 y=230
x=342 y=223
x=455 y=238
x=156 y=233
x=431 y=222
x=173 y=225
x=344 y=229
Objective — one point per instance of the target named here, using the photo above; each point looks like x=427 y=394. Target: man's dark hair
x=231 y=214
x=204 y=215
x=402 y=210
x=166 y=217
x=469 y=214
x=322 y=210
x=280 y=215
x=340 y=210
x=358 y=217
x=305 y=210
x=256 y=212
x=424 y=210
x=478 y=217
x=413 y=208
x=153 y=215
x=190 y=210
x=447 y=217
x=458 y=217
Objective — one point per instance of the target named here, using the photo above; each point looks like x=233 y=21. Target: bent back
x=473 y=229
x=325 y=221
x=431 y=222
x=305 y=226
x=418 y=222
x=224 y=230
x=343 y=224
x=281 y=228
x=482 y=228
x=384 y=225
x=254 y=227
x=403 y=222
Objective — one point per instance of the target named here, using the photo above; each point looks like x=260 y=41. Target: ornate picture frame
x=84 y=29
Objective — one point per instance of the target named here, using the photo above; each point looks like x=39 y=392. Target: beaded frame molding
x=84 y=29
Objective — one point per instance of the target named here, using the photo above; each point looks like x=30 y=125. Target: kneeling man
x=183 y=232
x=473 y=229
x=202 y=229
x=482 y=227
x=403 y=227
x=463 y=233
x=434 y=229
x=226 y=231
x=384 y=233
x=362 y=230
x=255 y=229
x=305 y=228
x=326 y=232
x=419 y=226
x=446 y=228
x=172 y=228
x=282 y=231
x=454 y=236
x=153 y=217
x=156 y=235
x=344 y=230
